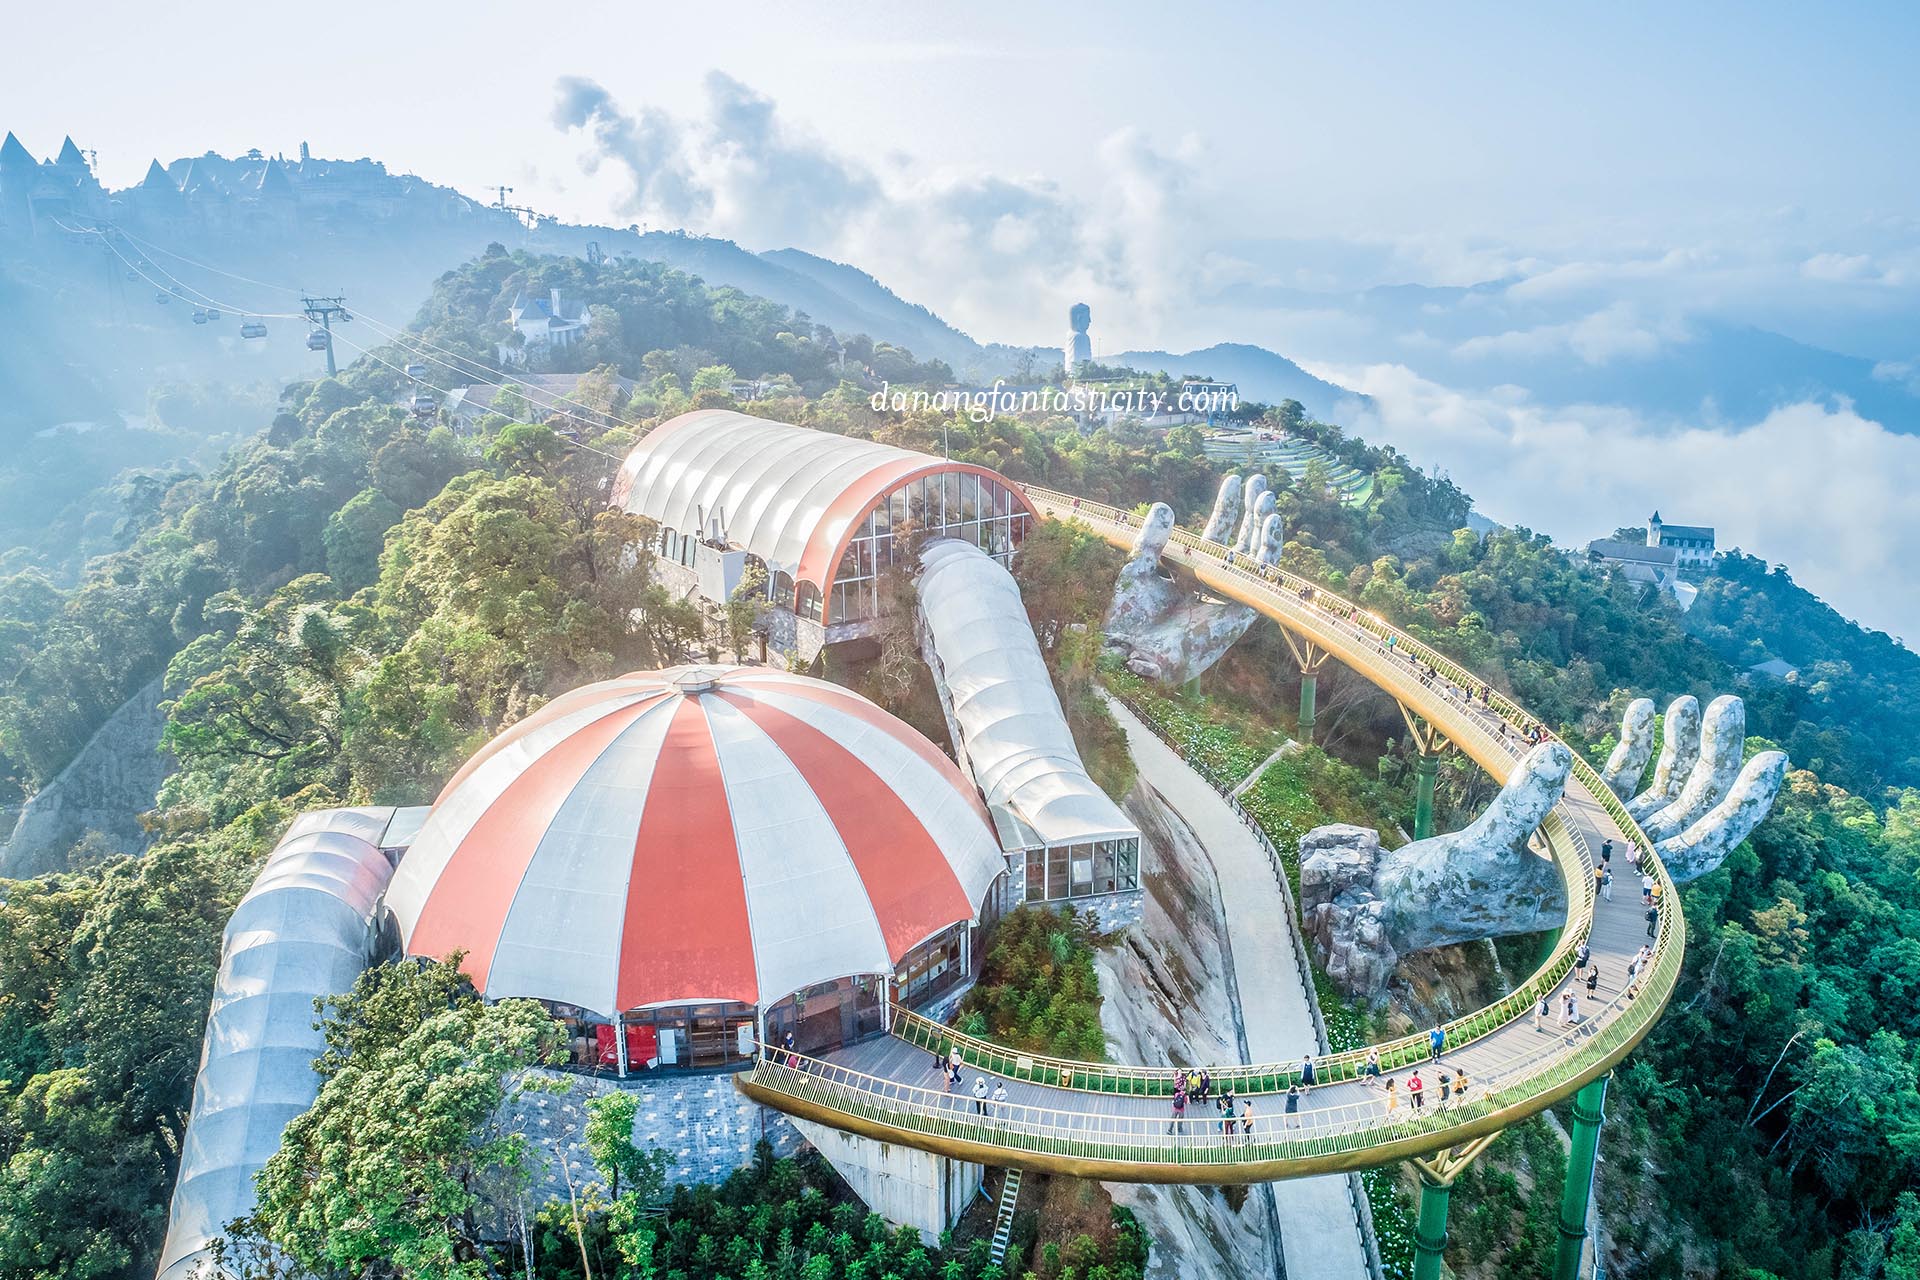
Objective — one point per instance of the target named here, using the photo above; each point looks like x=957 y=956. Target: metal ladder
x=1003 y=1222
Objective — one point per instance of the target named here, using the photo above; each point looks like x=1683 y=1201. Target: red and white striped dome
x=696 y=834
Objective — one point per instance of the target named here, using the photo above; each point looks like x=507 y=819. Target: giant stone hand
x=1365 y=908
x=1169 y=633
x=1702 y=802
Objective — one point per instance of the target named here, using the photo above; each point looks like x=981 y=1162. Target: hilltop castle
x=211 y=193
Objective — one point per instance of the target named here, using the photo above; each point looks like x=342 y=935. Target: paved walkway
x=1318 y=1234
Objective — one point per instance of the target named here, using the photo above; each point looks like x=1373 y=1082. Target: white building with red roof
x=818 y=512
x=694 y=854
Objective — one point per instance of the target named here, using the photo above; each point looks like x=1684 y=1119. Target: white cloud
x=1601 y=337
x=1823 y=491
x=1837 y=266
x=997 y=252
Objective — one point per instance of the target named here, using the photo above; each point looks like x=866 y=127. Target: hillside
x=349 y=604
x=1261 y=374
x=906 y=323
x=1854 y=703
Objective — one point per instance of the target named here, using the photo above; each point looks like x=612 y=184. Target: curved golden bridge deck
x=1114 y=1122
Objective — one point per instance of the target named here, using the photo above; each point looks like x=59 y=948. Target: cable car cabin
x=423 y=403
x=416 y=371
x=163 y=297
x=253 y=329
x=317 y=340
x=199 y=317
x=213 y=313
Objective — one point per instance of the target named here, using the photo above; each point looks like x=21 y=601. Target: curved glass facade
x=963 y=505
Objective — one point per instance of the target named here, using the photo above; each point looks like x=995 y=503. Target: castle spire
x=13 y=155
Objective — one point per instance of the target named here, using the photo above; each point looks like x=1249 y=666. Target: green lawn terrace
x=1292 y=455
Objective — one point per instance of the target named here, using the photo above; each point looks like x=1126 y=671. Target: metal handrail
x=1538 y=1072
x=1142 y=1138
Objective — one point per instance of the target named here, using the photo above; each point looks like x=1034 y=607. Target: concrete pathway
x=1319 y=1238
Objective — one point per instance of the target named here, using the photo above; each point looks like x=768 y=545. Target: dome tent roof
x=695 y=834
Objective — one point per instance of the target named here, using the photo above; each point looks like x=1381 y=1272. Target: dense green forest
x=348 y=604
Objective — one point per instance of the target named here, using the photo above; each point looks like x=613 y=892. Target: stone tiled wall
x=710 y=1127
x=1112 y=910
x=675 y=577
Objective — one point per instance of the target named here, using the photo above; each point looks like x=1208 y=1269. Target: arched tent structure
x=689 y=851
x=1070 y=839
x=819 y=511
x=304 y=932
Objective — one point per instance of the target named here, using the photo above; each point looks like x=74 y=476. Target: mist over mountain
x=1260 y=374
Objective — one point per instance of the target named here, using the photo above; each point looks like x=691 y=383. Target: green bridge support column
x=1430 y=1234
x=1426 y=768
x=1589 y=1107
x=1309 y=688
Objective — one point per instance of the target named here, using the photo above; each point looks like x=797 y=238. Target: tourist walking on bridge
x=980 y=1095
x=1415 y=1089
x=1392 y=1099
x=1306 y=1072
x=1581 y=954
x=1653 y=922
x=1246 y=1119
x=1000 y=1099
x=1436 y=1041
x=1293 y=1106
x=1541 y=1011
x=1372 y=1070
x=1179 y=1108
x=1593 y=983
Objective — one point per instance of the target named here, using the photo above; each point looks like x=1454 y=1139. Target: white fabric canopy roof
x=1012 y=732
x=302 y=932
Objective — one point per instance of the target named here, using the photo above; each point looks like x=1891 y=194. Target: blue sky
x=1647 y=183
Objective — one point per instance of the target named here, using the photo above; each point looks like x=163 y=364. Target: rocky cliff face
x=1168 y=1001
x=104 y=790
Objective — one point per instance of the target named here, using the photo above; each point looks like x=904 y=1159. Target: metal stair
x=1003 y=1222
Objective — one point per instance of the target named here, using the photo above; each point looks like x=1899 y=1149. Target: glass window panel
x=1103 y=881
x=1057 y=872
x=1082 y=866
x=1036 y=875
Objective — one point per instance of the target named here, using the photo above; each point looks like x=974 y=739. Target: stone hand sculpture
x=1170 y=634
x=1703 y=846
x=1702 y=802
x=1635 y=748
x=1679 y=749
x=1365 y=908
